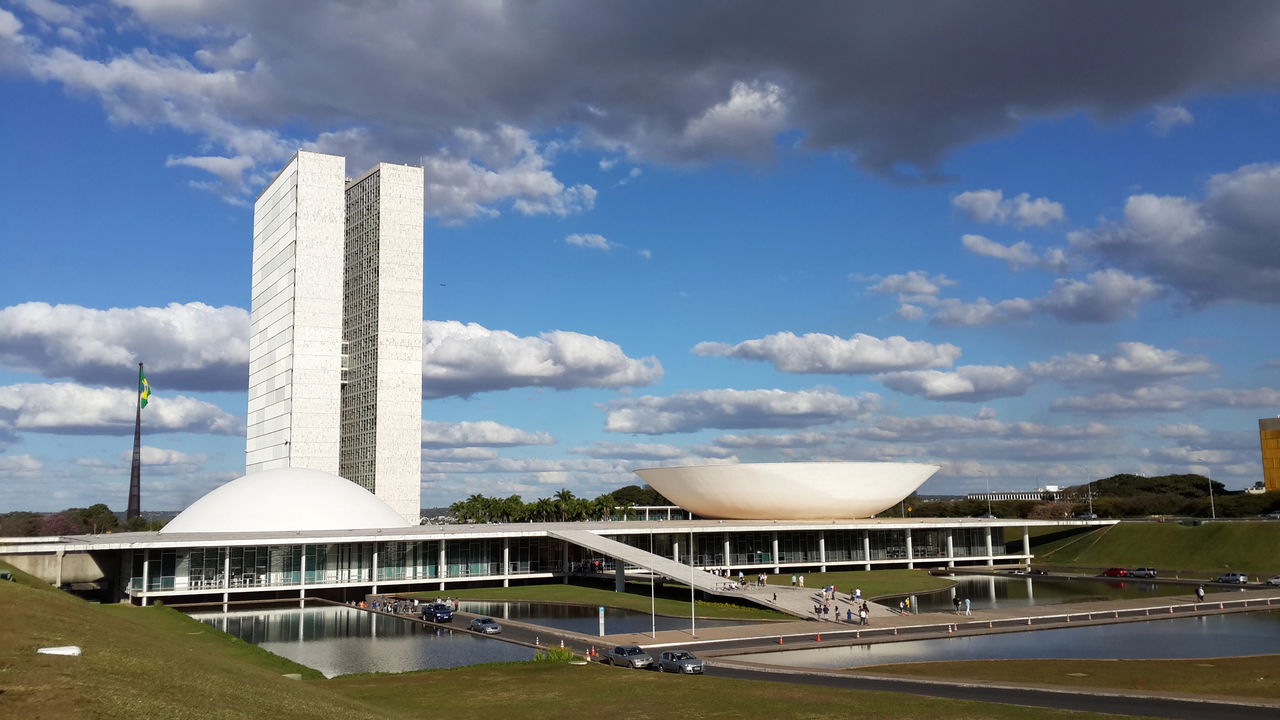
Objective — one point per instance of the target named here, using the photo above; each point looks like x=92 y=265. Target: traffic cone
x=780 y=640
x=561 y=643
x=819 y=638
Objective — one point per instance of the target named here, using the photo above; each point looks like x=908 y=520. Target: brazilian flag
x=144 y=389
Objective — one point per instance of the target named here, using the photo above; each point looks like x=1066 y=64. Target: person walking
x=857 y=594
x=955 y=604
x=793 y=581
x=968 y=608
x=1200 y=594
x=801 y=581
x=862 y=614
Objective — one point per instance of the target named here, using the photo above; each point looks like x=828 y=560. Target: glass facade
x=265 y=567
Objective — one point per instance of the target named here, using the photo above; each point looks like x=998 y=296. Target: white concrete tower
x=381 y=437
x=295 y=332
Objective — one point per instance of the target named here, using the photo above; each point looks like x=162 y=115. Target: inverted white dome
x=286 y=499
x=788 y=491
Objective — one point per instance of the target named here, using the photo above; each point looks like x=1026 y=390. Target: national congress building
x=335 y=349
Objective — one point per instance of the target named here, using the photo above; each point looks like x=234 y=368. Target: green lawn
x=157 y=663
x=1204 y=550
x=1255 y=677
x=671 y=600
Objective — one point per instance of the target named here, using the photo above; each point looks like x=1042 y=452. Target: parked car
x=437 y=612
x=1086 y=516
x=1272 y=515
x=1233 y=577
x=679 y=661
x=1273 y=580
x=488 y=626
x=1144 y=572
x=628 y=656
x=1115 y=572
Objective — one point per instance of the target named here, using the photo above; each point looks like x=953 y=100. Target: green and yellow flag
x=144 y=389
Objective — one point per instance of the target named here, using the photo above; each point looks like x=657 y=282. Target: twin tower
x=335 y=348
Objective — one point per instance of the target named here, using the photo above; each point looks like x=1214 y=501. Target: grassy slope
x=156 y=663
x=1206 y=550
x=1256 y=677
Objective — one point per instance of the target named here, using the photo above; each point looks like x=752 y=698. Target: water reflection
x=994 y=591
x=1196 y=637
x=340 y=640
x=585 y=618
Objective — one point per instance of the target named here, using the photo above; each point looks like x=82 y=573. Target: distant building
x=1048 y=492
x=1269 y=437
x=335 y=350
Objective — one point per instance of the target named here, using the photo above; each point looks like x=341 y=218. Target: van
x=1144 y=572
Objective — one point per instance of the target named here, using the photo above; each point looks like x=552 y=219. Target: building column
x=728 y=563
x=146 y=575
x=1026 y=544
x=506 y=562
x=822 y=550
x=564 y=562
x=442 y=564
x=991 y=556
x=866 y=549
x=226 y=577
x=777 y=567
x=675 y=550
x=911 y=557
x=373 y=577
x=619 y=575
x=57 y=582
x=302 y=580
x=951 y=550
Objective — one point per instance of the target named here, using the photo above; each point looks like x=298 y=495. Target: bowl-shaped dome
x=788 y=491
x=286 y=499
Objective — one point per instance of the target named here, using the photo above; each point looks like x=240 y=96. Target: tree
x=97 y=518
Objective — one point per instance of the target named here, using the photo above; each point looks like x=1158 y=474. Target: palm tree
x=564 y=500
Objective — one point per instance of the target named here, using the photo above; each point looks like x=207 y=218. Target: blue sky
x=1035 y=244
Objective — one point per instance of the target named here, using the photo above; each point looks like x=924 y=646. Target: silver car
x=485 y=625
x=628 y=656
x=679 y=661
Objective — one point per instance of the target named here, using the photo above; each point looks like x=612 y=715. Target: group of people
x=399 y=606
x=956 y=602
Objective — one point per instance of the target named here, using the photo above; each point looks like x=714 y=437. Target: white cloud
x=733 y=409
x=1166 y=118
x=69 y=409
x=1102 y=297
x=483 y=433
x=1019 y=256
x=743 y=125
x=821 y=353
x=969 y=383
x=1181 y=431
x=914 y=286
x=936 y=428
x=464 y=359
x=189 y=346
x=1220 y=249
x=459 y=454
x=653 y=452
x=988 y=206
x=229 y=170
x=952 y=312
x=1131 y=363
x=589 y=240
x=1170 y=398
x=20 y=467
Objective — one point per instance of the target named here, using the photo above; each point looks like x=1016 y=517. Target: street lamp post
x=1213 y=512
x=693 y=610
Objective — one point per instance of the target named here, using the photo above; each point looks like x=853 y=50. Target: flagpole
x=135 y=473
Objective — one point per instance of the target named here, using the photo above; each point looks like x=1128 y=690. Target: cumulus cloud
x=20 y=467
x=1166 y=118
x=464 y=359
x=734 y=409
x=483 y=433
x=821 y=353
x=1170 y=398
x=969 y=383
x=1132 y=363
x=1217 y=249
x=1019 y=256
x=718 y=87
x=991 y=206
x=934 y=428
x=915 y=286
x=189 y=346
x=653 y=452
x=1102 y=297
x=589 y=241
x=70 y=409
x=155 y=460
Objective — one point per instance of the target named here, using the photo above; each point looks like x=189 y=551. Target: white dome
x=287 y=499
x=788 y=491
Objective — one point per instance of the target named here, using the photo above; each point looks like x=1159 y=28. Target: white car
x=1273 y=580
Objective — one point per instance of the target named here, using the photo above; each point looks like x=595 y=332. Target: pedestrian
x=857 y=593
x=901 y=607
x=801 y=581
x=1200 y=594
x=793 y=581
x=862 y=615
x=848 y=615
x=955 y=603
x=775 y=597
x=968 y=608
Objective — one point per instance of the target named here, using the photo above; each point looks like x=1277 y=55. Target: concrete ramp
x=657 y=564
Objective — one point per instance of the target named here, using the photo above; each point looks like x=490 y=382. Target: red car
x=1115 y=572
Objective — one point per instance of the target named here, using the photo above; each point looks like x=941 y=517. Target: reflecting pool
x=1007 y=591
x=585 y=618
x=340 y=640
x=1254 y=633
